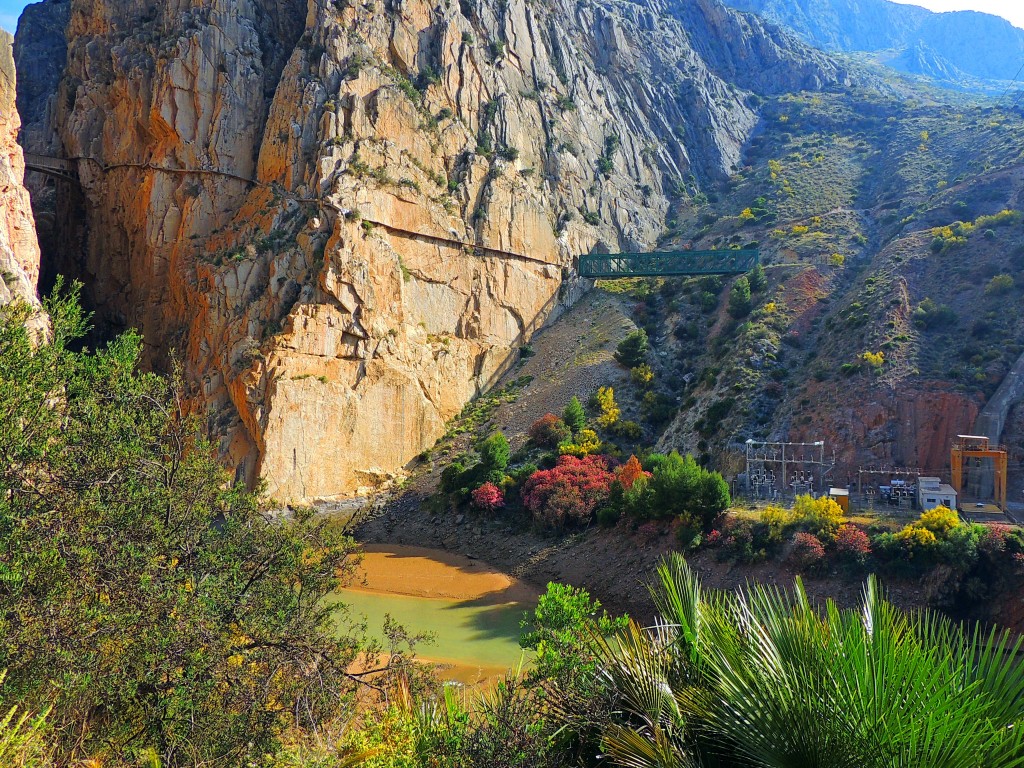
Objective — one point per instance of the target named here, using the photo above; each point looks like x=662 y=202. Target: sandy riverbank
x=431 y=573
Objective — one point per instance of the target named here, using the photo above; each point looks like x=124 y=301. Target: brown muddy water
x=472 y=610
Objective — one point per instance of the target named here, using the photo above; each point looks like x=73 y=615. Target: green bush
x=1000 y=284
x=147 y=598
x=929 y=314
x=632 y=350
x=739 y=298
x=678 y=487
x=494 y=452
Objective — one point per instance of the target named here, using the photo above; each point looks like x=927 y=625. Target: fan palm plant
x=762 y=678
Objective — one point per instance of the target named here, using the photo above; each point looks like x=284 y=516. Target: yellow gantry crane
x=978 y=447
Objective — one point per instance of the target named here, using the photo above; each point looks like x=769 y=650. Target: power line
x=1014 y=80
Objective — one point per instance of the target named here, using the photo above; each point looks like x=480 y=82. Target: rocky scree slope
x=345 y=216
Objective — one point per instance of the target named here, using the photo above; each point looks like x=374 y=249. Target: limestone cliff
x=346 y=216
x=19 y=251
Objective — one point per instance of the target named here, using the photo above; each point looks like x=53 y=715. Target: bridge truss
x=668 y=263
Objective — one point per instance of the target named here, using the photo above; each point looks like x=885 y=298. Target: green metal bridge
x=668 y=263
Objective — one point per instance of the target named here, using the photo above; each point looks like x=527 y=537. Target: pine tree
x=739 y=298
x=757 y=279
x=632 y=350
x=574 y=416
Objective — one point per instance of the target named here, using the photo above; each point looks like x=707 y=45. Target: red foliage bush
x=569 y=493
x=630 y=472
x=549 y=431
x=488 y=497
x=807 y=550
x=993 y=541
x=853 y=544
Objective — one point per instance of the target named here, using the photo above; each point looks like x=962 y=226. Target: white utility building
x=932 y=493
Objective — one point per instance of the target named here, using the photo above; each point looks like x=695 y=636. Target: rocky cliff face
x=19 y=251
x=346 y=216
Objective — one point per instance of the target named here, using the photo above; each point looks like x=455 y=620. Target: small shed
x=840 y=496
x=932 y=493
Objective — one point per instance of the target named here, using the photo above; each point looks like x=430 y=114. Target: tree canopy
x=145 y=596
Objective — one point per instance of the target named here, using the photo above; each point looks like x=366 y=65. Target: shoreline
x=433 y=573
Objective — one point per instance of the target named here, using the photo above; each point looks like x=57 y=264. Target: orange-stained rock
x=342 y=258
x=19 y=249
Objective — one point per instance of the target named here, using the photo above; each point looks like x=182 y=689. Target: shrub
x=739 y=298
x=488 y=498
x=940 y=521
x=999 y=284
x=585 y=443
x=608 y=409
x=757 y=279
x=569 y=493
x=929 y=314
x=574 y=416
x=679 y=487
x=807 y=551
x=642 y=374
x=875 y=359
x=995 y=538
x=494 y=452
x=451 y=477
x=549 y=431
x=632 y=350
x=608 y=514
x=630 y=472
x=915 y=540
x=708 y=302
x=853 y=544
x=629 y=430
x=823 y=515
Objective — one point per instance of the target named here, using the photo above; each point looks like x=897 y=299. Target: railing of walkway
x=668 y=263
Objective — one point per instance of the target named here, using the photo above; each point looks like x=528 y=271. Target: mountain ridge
x=981 y=46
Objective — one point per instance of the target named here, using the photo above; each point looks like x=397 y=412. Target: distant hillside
x=953 y=48
x=893 y=237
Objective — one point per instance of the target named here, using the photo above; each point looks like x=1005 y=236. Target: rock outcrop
x=19 y=250
x=346 y=216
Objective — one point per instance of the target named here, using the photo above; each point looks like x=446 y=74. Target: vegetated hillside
x=346 y=217
x=961 y=49
x=894 y=255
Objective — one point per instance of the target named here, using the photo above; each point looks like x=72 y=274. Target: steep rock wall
x=345 y=217
x=19 y=250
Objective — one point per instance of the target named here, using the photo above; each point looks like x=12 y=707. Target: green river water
x=475 y=639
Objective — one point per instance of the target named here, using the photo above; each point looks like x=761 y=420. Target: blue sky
x=9 y=12
x=1008 y=9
